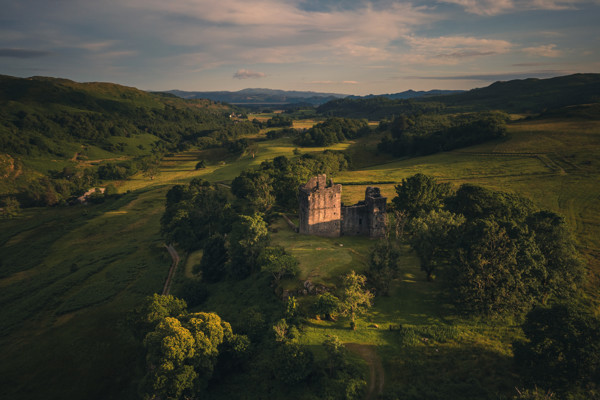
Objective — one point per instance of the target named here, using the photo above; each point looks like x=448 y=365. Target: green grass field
x=71 y=275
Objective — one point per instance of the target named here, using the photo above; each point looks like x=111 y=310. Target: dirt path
x=174 y=265
x=376 y=371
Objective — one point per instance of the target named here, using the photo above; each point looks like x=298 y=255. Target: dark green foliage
x=355 y=298
x=194 y=212
x=474 y=202
x=420 y=193
x=237 y=146
x=428 y=134
x=562 y=351
x=292 y=363
x=256 y=187
x=333 y=130
x=247 y=241
x=280 y=121
x=564 y=271
x=214 y=258
x=193 y=292
x=279 y=133
x=376 y=108
x=59 y=187
x=434 y=237
x=40 y=114
x=326 y=305
x=384 y=263
x=509 y=256
x=279 y=263
x=496 y=270
x=11 y=208
x=117 y=171
x=281 y=177
x=342 y=379
x=200 y=164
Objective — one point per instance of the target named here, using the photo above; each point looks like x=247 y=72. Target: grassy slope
x=63 y=323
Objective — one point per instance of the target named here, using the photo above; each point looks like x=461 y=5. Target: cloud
x=247 y=74
x=452 y=49
x=496 y=7
x=23 y=53
x=543 y=51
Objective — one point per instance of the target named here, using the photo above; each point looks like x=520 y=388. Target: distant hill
x=261 y=96
x=529 y=95
x=291 y=97
x=409 y=94
x=516 y=96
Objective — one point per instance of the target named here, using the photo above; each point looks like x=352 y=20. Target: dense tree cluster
x=428 y=134
x=562 y=350
x=182 y=348
x=195 y=212
x=333 y=130
x=377 y=108
x=276 y=182
x=502 y=254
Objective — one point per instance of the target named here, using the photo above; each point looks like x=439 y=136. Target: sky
x=335 y=46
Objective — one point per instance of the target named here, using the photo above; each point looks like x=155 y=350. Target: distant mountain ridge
x=409 y=94
x=273 y=96
x=261 y=96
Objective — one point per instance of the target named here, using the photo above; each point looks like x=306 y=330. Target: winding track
x=376 y=371
x=174 y=265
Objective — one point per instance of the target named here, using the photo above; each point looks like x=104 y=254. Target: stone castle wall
x=320 y=208
x=322 y=214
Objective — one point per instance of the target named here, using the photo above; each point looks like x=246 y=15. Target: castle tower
x=376 y=211
x=320 y=207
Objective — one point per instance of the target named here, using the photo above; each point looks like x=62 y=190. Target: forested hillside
x=46 y=116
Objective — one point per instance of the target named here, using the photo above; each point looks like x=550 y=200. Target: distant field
x=71 y=275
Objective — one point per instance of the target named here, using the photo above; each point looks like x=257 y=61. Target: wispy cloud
x=496 y=7
x=452 y=49
x=247 y=74
x=548 y=50
x=23 y=53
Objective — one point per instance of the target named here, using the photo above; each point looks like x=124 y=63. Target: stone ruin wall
x=322 y=214
x=320 y=208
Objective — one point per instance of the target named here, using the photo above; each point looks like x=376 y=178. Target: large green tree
x=247 y=241
x=434 y=237
x=384 y=264
x=355 y=298
x=195 y=212
x=420 y=192
x=562 y=350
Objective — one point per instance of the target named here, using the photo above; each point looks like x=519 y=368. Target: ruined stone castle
x=323 y=214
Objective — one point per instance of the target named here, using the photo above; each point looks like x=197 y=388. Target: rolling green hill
x=530 y=96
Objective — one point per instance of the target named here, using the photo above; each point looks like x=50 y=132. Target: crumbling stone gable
x=322 y=213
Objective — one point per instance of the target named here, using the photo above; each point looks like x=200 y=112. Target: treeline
x=428 y=134
x=331 y=131
x=377 y=108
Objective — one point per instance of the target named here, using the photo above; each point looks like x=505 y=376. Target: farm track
x=174 y=264
x=376 y=371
